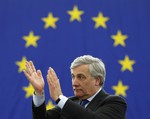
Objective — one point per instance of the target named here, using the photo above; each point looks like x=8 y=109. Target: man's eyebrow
x=80 y=74
x=77 y=74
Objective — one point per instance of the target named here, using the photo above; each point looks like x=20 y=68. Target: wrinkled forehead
x=81 y=69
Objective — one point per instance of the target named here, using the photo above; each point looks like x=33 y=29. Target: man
x=88 y=77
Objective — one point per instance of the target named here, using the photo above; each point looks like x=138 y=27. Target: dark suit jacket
x=103 y=106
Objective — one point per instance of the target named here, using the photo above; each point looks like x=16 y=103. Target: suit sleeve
x=41 y=113
x=112 y=108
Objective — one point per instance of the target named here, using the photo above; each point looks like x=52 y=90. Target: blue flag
x=55 y=32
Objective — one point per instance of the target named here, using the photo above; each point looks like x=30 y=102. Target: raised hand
x=34 y=77
x=53 y=84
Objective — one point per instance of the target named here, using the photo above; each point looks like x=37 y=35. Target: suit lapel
x=98 y=100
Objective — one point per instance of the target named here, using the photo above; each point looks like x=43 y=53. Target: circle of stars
x=76 y=15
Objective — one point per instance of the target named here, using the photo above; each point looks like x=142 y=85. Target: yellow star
x=119 y=38
x=49 y=105
x=100 y=20
x=126 y=64
x=120 y=89
x=29 y=91
x=50 y=21
x=75 y=14
x=31 y=39
x=21 y=64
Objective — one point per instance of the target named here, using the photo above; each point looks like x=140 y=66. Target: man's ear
x=98 y=81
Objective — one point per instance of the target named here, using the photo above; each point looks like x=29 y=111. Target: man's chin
x=77 y=95
x=80 y=96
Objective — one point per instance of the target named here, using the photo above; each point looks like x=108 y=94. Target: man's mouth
x=77 y=90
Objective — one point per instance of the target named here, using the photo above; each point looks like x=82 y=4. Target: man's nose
x=75 y=81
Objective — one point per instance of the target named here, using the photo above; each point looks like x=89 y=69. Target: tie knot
x=83 y=102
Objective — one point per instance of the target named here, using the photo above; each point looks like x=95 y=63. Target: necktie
x=83 y=102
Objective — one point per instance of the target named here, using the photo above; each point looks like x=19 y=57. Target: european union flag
x=54 y=32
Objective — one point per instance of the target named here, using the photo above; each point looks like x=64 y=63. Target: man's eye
x=81 y=77
x=72 y=77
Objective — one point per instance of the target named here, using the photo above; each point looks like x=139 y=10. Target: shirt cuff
x=38 y=99
x=63 y=100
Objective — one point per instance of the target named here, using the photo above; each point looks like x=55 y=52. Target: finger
x=49 y=82
x=27 y=67
x=53 y=74
x=49 y=78
x=32 y=66
x=39 y=73
x=27 y=75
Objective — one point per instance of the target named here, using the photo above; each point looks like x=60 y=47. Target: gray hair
x=96 y=66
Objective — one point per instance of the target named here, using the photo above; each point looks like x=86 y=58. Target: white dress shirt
x=39 y=100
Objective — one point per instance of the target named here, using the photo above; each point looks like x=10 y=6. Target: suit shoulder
x=114 y=98
x=73 y=98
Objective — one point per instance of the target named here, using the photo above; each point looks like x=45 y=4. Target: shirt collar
x=91 y=98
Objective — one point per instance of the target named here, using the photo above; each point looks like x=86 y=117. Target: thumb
x=39 y=73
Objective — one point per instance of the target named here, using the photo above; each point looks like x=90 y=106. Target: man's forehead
x=82 y=69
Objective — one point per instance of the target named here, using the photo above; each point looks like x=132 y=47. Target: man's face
x=84 y=85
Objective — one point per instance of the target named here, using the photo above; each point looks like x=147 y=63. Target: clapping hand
x=35 y=77
x=53 y=84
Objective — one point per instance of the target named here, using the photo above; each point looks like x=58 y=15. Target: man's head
x=88 y=75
